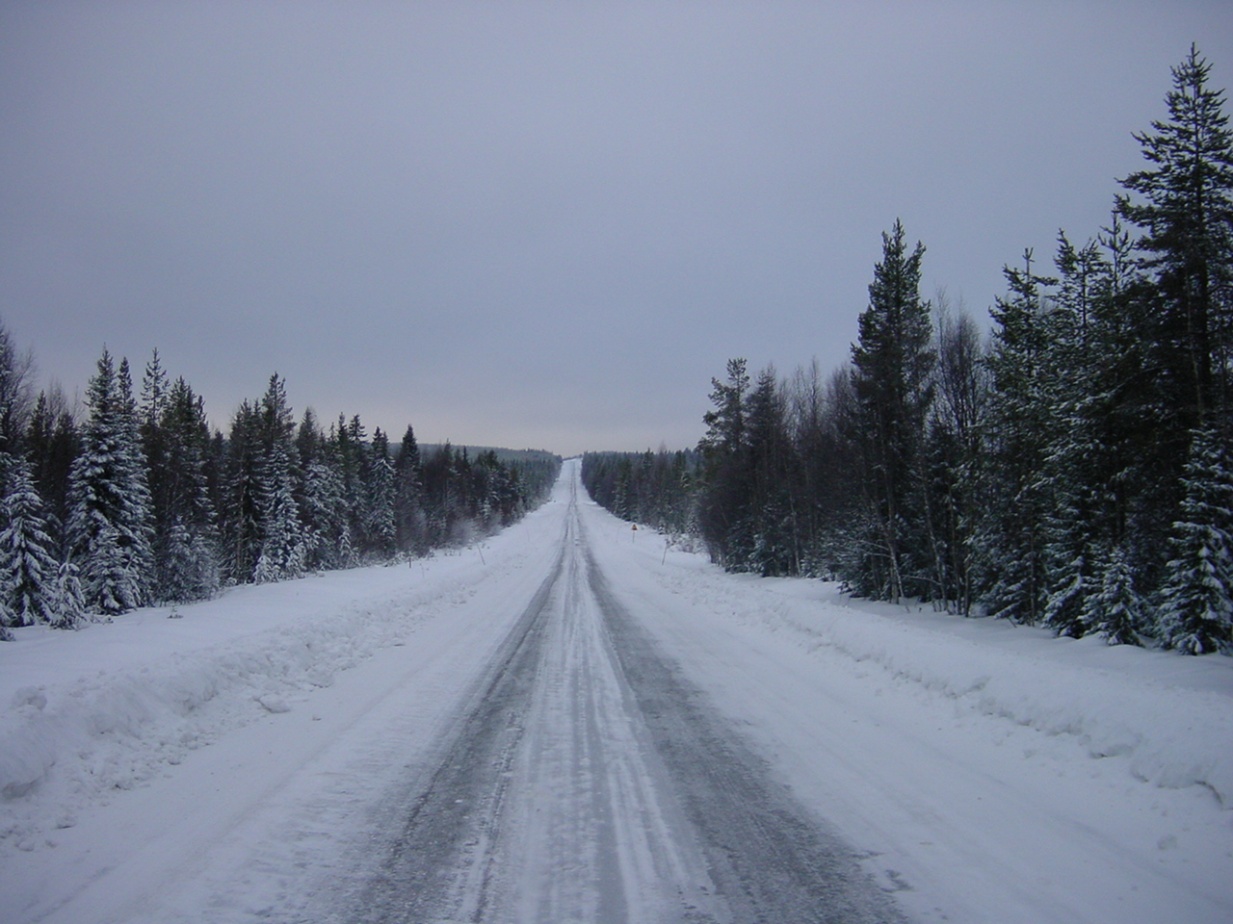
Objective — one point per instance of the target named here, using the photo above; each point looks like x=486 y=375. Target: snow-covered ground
x=231 y=765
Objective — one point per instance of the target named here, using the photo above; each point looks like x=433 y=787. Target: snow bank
x=1169 y=717
x=86 y=713
x=83 y=714
x=1174 y=727
x=111 y=706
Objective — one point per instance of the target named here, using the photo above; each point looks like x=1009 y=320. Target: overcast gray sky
x=541 y=224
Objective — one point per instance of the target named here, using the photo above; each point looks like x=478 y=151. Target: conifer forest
x=138 y=501
x=1072 y=468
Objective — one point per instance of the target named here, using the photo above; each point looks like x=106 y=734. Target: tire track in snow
x=595 y=832
x=440 y=867
x=768 y=860
x=587 y=781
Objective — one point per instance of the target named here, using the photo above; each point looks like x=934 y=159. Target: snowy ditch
x=113 y=705
x=1170 y=717
x=1172 y=737
x=1114 y=701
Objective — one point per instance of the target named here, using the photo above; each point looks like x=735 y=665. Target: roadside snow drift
x=986 y=772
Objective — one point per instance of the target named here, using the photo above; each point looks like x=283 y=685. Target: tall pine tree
x=380 y=496
x=28 y=564
x=109 y=526
x=409 y=519
x=1196 y=612
x=770 y=472
x=282 y=550
x=186 y=523
x=240 y=492
x=1018 y=433
x=892 y=367
x=724 y=510
x=321 y=498
x=1186 y=212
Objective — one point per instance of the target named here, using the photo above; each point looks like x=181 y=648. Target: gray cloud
x=540 y=224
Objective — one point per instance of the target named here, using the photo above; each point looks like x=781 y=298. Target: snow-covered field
x=231 y=765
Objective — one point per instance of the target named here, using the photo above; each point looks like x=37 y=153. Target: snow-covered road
x=574 y=723
x=588 y=782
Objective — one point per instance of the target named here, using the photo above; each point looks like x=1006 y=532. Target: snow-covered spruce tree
x=892 y=366
x=70 y=600
x=771 y=465
x=680 y=490
x=351 y=451
x=282 y=551
x=440 y=494
x=28 y=565
x=833 y=465
x=109 y=526
x=324 y=517
x=460 y=507
x=1186 y=210
x=239 y=513
x=1072 y=569
x=1018 y=432
x=1115 y=610
x=327 y=532
x=1183 y=204
x=1196 y=608
x=176 y=442
x=1117 y=423
x=155 y=393
x=52 y=443
x=379 y=526
x=190 y=567
x=14 y=409
x=409 y=520
x=723 y=513
x=490 y=479
x=154 y=389
x=1072 y=526
x=188 y=564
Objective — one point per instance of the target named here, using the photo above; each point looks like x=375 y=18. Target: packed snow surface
x=249 y=761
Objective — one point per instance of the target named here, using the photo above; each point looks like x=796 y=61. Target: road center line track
x=769 y=861
x=457 y=815
x=587 y=781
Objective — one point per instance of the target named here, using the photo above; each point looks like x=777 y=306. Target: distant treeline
x=138 y=501
x=1072 y=471
x=656 y=489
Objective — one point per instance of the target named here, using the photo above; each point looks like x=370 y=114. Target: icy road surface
x=574 y=723
x=587 y=781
